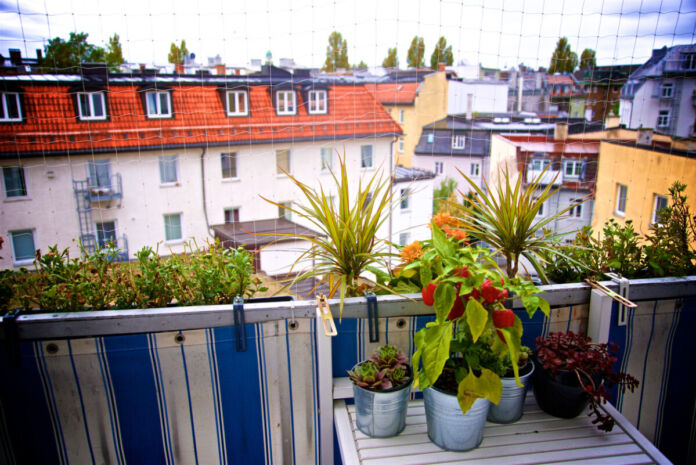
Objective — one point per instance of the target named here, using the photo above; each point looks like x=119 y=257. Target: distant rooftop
x=404 y=174
x=254 y=234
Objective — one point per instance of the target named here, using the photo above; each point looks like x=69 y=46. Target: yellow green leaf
x=477 y=317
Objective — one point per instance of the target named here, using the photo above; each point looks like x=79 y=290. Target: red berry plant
x=473 y=330
x=592 y=363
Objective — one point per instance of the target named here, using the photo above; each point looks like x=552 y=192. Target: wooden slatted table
x=535 y=439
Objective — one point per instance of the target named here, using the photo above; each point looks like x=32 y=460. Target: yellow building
x=412 y=105
x=633 y=182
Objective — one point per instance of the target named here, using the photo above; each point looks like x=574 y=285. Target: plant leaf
x=473 y=387
x=477 y=317
x=444 y=299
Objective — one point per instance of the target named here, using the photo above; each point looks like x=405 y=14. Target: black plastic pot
x=559 y=395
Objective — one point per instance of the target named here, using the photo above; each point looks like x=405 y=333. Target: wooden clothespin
x=617 y=297
x=324 y=312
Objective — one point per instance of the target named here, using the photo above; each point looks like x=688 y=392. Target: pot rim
x=526 y=374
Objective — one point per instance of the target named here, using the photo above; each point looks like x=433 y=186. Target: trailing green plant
x=387 y=368
x=506 y=217
x=472 y=330
x=200 y=276
x=347 y=245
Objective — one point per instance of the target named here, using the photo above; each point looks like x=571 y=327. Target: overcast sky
x=491 y=32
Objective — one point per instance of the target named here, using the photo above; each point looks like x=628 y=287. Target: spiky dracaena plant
x=347 y=245
x=506 y=217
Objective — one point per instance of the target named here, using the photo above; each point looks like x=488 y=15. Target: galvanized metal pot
x=509 y=408
x=448 y=427
x=382 y=414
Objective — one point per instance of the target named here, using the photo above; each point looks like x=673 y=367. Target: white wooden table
x=535 y=439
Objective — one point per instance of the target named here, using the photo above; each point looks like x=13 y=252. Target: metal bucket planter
x=509 y=409
x=448 y=427
x=382 y=414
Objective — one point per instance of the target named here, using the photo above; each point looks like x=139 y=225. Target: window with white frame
x=285 y=102
x=540 y=212
x=689 y=60
x=231 y=215
x=237 y=103
x=621 y=195
x=659 y=204
x=15 y=183
x=159 y=104
x=367 y=200
x=172 y=227
x=401 y=116
x=317 y=102
x=326 y=159
x=23 y=247
x=91 y=106
x=282 y=161
x=572 y=168
x=663 y=119
x=404 y=238
x=576 y=209
x=667 y=90
x=99 y=174
x=475 y=169
x=10 y=110
x=366 y=160
x=405 y=199
x=169 y=169
x=106 y=233
x=228 y=162
x=539 y=164
x=401 y=145
x=284 y=210
x=458 y=142
x=431 y=138
x=439 y=167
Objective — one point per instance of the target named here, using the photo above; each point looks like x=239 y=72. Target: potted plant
x=572 y=372
x=509 y=409
x=458 y=356
x=381 y=386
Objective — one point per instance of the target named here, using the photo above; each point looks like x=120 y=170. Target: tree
x=416 y=51
x=392 y=60
x=587 y=59
x=362 y=65
x=563 y=60
x=336 y=53
x=114 y=54
x=441 y=54
x=67 y=55
x=177 y=53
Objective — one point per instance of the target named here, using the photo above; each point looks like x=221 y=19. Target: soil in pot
x=559 y=395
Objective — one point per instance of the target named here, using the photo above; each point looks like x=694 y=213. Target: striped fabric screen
x=656 y=345
x=163 y=399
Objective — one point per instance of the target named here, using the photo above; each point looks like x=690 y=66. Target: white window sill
x=170 y=184
x=286 y=114
x=371 y=168
x=174 y=242
x=158 y=116
x=101 y=118
x=325 y=171
x=237 y=114
x=317 y=112
x=11 y=120
x=231 y=179
x=620 y=214
x=24 y=262
x=405 y=211
x=17 y=199
x=282 y=175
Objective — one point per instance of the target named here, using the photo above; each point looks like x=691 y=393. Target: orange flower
x=411 y=252
x=443 y=219
x=458 y=234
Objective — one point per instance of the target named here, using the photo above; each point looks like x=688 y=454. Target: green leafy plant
x=506 y=217
x=347 y=246
x=472 y=330
x=386 y=369
x=522 y=361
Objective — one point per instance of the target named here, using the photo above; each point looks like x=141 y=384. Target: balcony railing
x=550 y=176
x=173 y=382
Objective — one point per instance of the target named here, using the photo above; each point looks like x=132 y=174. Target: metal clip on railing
x=324 y=312
x=372 y=322
x=239 y=324
x=623 y=283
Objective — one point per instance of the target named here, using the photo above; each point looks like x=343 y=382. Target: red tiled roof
x=561 y=79
x=394 y=93
x=51 y=124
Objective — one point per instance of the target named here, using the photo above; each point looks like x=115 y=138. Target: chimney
x=520 y=83
x=179 y=68
x=440 y=66
x=39 y=54
x=15 y=56
x=644 y=136
x=142 y=67
x=220 y=70
x=561 y=131
x=469 y=106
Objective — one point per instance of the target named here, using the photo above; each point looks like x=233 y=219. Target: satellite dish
x=192 y=56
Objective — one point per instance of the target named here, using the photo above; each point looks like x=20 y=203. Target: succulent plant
x=390 y=357
x=387 y=368
x=369 y=376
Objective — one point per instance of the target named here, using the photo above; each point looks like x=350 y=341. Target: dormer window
x=286 y=102
x=237 y=103
x=158 y=104
x=91 y=106
x=458 y=142
x=317 y=102
x=10 y=109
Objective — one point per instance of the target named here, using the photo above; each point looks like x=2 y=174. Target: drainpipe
x=391 y=186
x=205 y=207
x=520 y=83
